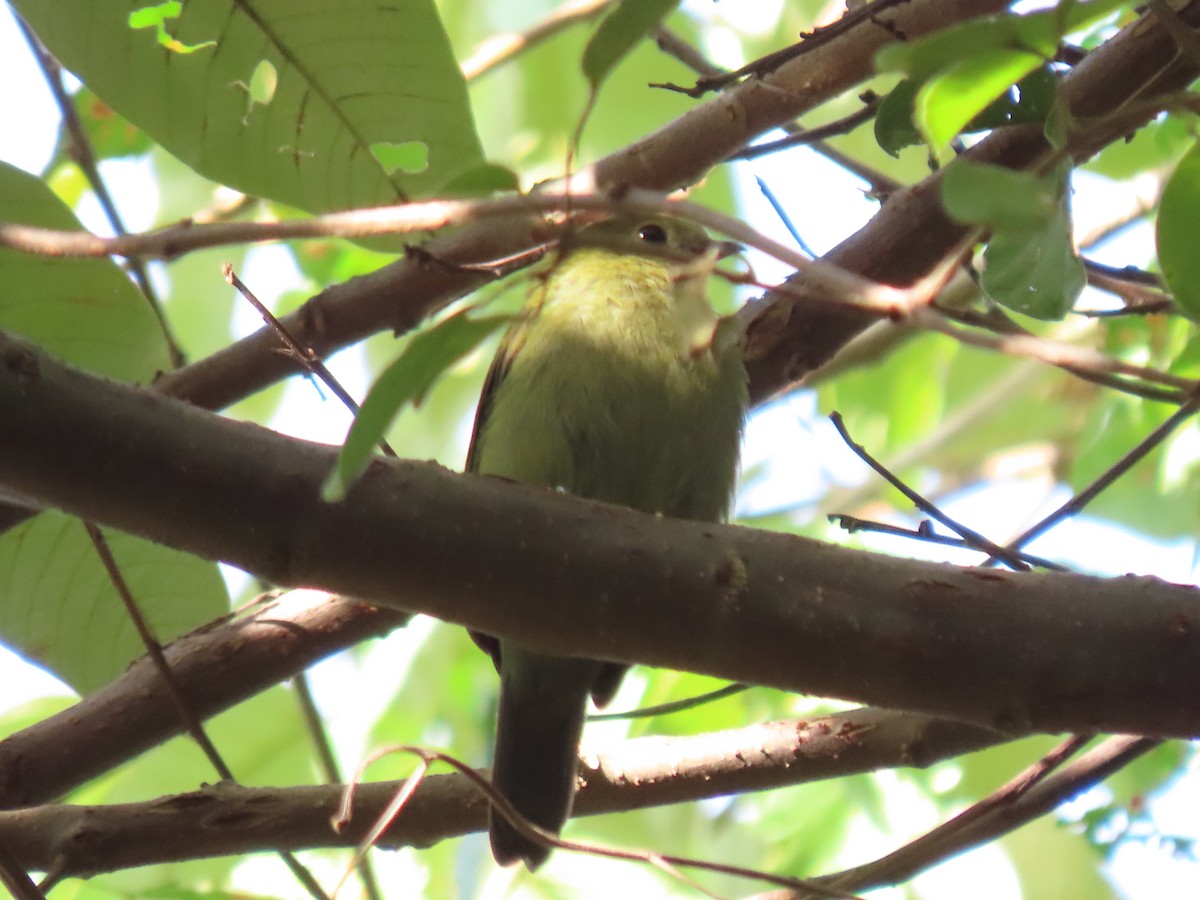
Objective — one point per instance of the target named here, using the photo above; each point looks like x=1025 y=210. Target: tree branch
x=788 y=336
x=226 y=819
x=215 y=667
x=574 y=578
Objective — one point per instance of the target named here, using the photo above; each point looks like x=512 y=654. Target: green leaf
x=1030 y=100
x=1158 y=144
x=1032 y=266
x=998 y=198
x=619 y=33
x=84 y=311
x=1175 y=233
x=894 y=127
x=1036 y=33
x=946 y=106
x=964 y=69
x=1036 y=273
x=58 y=607
x=405 y=381
x=480 y=182
x=278 y=100
x=951 y=99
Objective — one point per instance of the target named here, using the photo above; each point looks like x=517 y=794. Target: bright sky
x=827 y=206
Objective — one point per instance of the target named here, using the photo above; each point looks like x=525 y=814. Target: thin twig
x=303 y=355
x=155 y=652
x=880 y=184
x=1123 y=465
x=925 y=534
x=670 y=43
x=501 y=48
x=1053 y=352
x=808 y=136
x=316 y=730
x=947 y=834
x=838 y=285
x=783 y=216
x=14 y=877
x=663 y=709
x=1126 y=274
x=1141 y=291
x=665 y=862
x=972 y=537
x=954 y=837
x=407 y=788
x=1001 y=324
x=771 y=61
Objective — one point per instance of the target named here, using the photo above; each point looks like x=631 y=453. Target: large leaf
x=1178 y=212
x=58 y=606
x=1031 y=263
x=319 y=105
x=1036 y=273
x=85 y=311
x=998 y=198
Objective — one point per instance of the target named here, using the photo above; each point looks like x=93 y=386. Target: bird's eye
x=652 y=233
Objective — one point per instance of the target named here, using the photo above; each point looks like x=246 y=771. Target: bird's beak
x=727 y=248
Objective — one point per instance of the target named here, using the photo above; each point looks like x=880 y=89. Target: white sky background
x=827 y=205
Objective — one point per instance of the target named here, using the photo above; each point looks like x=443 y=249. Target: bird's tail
x=542 y=705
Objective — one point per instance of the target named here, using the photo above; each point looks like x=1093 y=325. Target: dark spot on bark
x=21 y=364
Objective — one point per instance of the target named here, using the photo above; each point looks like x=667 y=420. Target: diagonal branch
x=788 y=336
x=215 y=667
x=952 y=837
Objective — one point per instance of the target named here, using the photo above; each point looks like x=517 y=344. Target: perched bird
x=619 y=383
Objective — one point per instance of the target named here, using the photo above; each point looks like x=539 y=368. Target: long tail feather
x=542 y=705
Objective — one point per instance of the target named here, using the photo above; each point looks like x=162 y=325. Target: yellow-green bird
x=619 y=383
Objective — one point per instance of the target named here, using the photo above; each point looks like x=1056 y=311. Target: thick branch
x=1046 y=652
x=788 y=335
x=216 y=667
x=226 y=820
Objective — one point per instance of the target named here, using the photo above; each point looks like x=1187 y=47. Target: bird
x=616 y=382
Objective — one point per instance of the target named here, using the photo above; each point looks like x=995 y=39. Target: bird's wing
x=501 y=364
